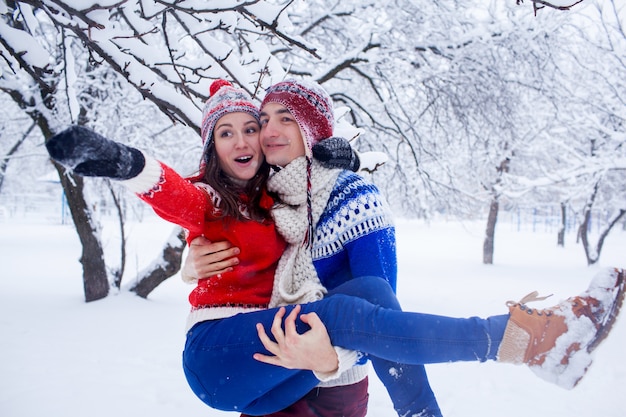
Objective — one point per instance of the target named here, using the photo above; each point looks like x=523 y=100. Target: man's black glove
x=89 y=154
x=336 y=152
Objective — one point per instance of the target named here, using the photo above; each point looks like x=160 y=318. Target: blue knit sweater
x=355 y=235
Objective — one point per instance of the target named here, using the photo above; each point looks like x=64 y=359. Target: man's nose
x=268 y=130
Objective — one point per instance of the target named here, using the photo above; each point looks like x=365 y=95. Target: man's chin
x=274 y=160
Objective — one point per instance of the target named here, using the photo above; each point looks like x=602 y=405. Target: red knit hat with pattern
x=312 y=108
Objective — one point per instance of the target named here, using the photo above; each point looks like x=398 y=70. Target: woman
x=218 y=359
x=227 y=200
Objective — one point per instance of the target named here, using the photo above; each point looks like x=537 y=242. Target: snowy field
x=61 y=357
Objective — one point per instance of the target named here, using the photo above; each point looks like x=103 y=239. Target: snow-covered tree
x=62 y=60
x=469 y=100
x=584 y=157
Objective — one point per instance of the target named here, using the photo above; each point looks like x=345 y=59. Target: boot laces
x=529 y=298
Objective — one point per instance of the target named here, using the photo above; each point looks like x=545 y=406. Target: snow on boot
x=556 y=342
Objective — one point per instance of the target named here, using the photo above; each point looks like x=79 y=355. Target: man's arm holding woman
x=206 y=259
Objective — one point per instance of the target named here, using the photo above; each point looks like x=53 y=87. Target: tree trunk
x=593 y=253
x=95 y=279
x=583 y=234
x=4 y=161
x=119 y=272
x=490 y=233
x=494 y=207
x=560 y=241
x=163 y=267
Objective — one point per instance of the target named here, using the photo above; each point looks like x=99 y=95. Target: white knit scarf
x=296 y=280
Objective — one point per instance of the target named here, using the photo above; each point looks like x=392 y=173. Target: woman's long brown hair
x=230 y=193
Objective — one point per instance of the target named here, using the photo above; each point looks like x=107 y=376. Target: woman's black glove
x=89 y=154
x=336 y=152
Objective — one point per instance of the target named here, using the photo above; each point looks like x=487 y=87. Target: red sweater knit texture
x=190 y=206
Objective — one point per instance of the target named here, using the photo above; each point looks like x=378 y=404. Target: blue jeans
x=407 y=385
x=220 y=369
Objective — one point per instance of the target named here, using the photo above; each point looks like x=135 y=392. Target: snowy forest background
x=483 y=107
x=503 y=122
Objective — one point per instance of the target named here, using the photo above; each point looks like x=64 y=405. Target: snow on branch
x=168 y=50
x=553 y=4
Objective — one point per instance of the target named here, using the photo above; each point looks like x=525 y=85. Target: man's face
x=281 y=138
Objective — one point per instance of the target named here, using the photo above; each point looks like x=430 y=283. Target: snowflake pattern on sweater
x=355 y=235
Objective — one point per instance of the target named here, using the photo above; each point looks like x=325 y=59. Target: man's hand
x=310 y=350
x=206 y=259
x=336 y=152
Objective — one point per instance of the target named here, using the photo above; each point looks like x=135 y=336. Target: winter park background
x=483 y=107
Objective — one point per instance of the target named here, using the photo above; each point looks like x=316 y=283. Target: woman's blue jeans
x=220 y=369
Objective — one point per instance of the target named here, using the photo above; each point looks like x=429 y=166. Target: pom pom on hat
x=224 y=98
x=217 y=84
x=309 y=104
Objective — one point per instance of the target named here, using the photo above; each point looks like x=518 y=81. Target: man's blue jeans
x=407 y=385
x=220 y=369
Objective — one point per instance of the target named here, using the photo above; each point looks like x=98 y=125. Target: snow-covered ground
x=62 y=357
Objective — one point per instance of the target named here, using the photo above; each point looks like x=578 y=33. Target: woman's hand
x=310 y=350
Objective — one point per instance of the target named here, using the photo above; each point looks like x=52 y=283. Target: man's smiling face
x=281 y=137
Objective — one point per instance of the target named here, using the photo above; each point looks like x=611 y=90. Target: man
x=339 y=229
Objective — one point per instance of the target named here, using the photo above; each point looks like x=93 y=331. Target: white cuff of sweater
x=186 y=278
x=147 y=178
x=347 y=358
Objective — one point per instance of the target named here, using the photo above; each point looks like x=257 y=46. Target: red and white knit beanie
x=309 y=104
x=224 y=98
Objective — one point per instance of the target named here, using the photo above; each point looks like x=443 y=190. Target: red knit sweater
x=191 y=206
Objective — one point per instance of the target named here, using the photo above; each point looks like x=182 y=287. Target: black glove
x=89 y=154
x=336 y=152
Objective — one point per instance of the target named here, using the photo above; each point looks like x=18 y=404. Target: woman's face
x=236 y=137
